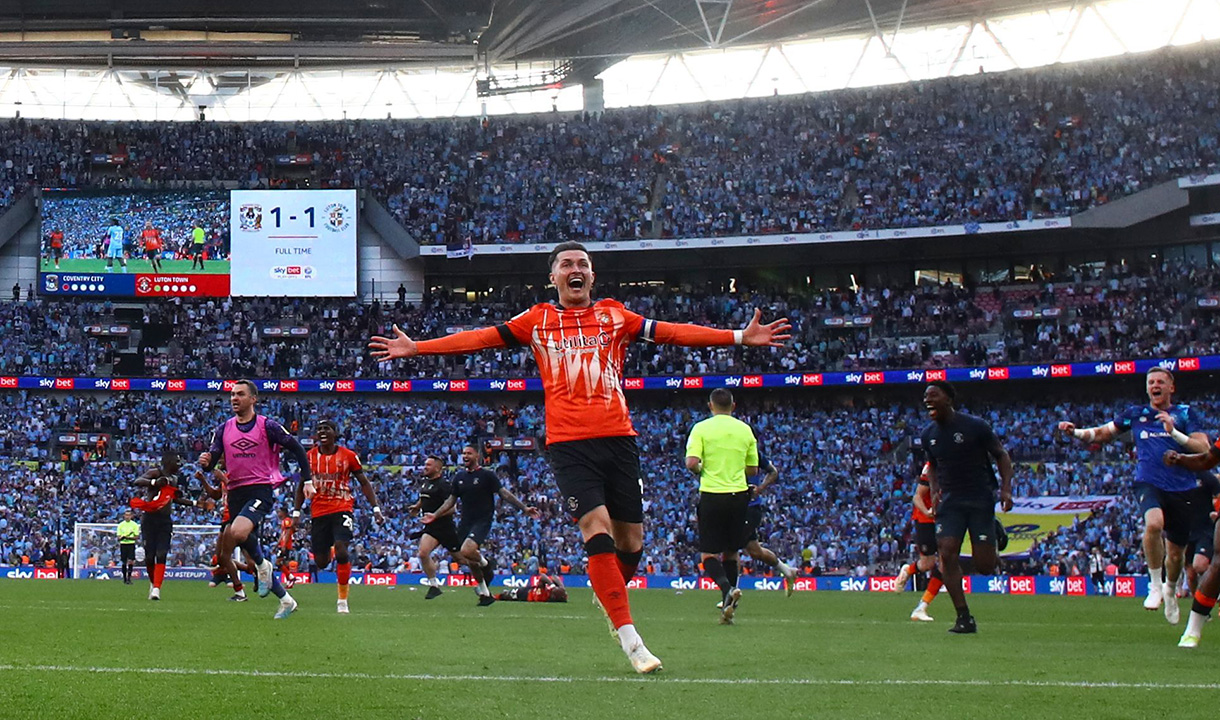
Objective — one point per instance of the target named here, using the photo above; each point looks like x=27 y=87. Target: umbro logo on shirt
x=244 y=444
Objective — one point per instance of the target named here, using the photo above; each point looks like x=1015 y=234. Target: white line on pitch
x=825 y=682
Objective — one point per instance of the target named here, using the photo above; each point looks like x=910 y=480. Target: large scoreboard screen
x=294 y=243
x=261 y=243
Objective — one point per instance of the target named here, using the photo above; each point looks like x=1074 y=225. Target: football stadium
x=609 y=358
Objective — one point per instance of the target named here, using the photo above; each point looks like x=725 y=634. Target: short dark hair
x=248 y=383
x=1160 y=369
x=564 y=247
x=328 y=423
x=434 y=457
x=721 y=398
x=946 y=387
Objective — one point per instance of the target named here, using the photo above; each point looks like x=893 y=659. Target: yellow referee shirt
x=129 y=532
x=727 y=447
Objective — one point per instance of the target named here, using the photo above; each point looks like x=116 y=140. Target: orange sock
x=344 y=571
x=934 y=586
x=1205 y=601
x=158 y=574
x=607 y=581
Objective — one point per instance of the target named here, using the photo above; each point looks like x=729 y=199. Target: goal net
x=95 y=551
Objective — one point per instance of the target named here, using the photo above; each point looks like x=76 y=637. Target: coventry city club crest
x=250 y=217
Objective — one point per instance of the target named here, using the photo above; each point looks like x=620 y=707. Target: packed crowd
x=1045 y=142
x=1104 y=314
x=842 y=504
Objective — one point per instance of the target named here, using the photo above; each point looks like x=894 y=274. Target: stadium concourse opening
x=729 y=324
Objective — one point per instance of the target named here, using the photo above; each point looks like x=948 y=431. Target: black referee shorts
x=599 y=471
x=722 y=521
x=127 y=552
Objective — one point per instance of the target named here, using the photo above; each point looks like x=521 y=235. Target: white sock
x=784 y=568
x=482 y=590
x=1170 y=590
x=1154 y=578
x=434 y=582
x=921 y=606
x=628 y=637
x=1194 y=626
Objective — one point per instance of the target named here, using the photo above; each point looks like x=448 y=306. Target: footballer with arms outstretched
x=579 y=346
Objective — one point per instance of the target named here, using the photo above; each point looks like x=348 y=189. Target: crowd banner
x=1032 y=519
x=1129 y=586
x=866 y=378
x=463 y=249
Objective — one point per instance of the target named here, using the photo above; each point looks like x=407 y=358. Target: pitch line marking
x=815 y=682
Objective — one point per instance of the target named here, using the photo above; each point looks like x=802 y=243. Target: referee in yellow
x=129 y=532
x=722 y=451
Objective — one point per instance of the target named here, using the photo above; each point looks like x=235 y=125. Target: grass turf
x=134 y=265
x=100 y=649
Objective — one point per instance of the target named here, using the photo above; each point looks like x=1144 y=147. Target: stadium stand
x=1046 y=142
x=842 y=505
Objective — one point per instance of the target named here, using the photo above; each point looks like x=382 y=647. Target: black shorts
x=722 y=521
x=197 y=251
x=57 y=253
x=1175 y=506
x=475 y=528
x=599 y=471
x=925 y=538
x=253 y=502
x=127 y=552
x=1202 y=541
x=445 y=532
x=157 y=536
x=957 y=515
x=754 y=516
x=152 y=254
x=326 y=530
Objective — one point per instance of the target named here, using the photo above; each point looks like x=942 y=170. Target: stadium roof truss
x=535 y=56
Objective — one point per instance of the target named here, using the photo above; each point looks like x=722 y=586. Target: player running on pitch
x=114 y=246
x=477 y=488
x=331 y=523
x=157 y=525
x=960 y=450
x=1163 y=491
x=754 y=517
x=249 y=444
x=580 y=346
x=925 y=540
x=434 y=490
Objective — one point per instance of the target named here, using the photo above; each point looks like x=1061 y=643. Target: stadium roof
x=304 y=33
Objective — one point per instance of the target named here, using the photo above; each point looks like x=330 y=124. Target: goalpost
x=191 y=547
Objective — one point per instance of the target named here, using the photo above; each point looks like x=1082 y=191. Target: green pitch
x=135 y=265
x=101 y=650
